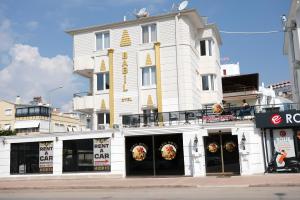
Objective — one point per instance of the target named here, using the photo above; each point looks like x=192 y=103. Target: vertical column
x=4 y=158
x=158 y=76
x=57 y=156
x=111 y=87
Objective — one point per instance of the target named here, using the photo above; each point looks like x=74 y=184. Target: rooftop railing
x=202 y=116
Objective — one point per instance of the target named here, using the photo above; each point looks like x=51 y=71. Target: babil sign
x=289 y=118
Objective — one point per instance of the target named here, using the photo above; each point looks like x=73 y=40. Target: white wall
x=231 y=69
x=117 y=152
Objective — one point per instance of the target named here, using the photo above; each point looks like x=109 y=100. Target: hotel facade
x=154 y=90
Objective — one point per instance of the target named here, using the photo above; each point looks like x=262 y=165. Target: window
x=148 y=76
x=8 y=111
x=149 y=33
x=206 y=47
x=208 y=82
x=224 y=72
x=202 y=48
x=102 y=41
x=103 y=118
x=103 y=81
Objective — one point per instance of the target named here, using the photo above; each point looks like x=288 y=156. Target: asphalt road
x=277 y=193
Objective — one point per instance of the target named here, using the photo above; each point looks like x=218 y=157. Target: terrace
x=202 y=116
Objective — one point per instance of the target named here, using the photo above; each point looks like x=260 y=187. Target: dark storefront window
x=26 y=158
x=86 y=155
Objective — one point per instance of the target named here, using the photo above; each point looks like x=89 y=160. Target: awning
x=26 y=124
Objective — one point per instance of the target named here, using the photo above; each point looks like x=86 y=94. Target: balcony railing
x=201 y=116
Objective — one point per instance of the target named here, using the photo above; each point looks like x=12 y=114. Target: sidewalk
x=98 y=182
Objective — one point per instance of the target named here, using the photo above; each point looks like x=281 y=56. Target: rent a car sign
x=45 y=154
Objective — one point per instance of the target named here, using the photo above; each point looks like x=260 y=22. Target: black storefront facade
x=154 y=155
x=281 y=132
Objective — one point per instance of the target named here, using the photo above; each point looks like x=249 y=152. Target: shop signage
x=139 y=151
x=278 y=120
x=45 y=155
x=102 y=154
x=284 y=141
x=168 y=150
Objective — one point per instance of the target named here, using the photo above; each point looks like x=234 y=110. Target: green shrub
x=7 y=132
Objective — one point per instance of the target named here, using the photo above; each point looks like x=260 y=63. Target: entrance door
x=154 y=155
x=221 y=154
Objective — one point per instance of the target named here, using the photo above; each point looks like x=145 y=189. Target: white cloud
x=32 y=25
x=29 y=74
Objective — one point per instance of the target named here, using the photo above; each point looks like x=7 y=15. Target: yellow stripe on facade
x=111 y=87
x=102 y=66
x=158 y=77
x=103 y=106
x=125 y=40
x=148 y=60
x=149 y=101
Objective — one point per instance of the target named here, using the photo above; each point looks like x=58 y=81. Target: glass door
x=221 y=154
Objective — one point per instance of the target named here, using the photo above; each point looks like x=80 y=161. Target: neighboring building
x=152 y=64
x=232 y=69
x=33 y=118
x=292 y=46
x=283 y=89
x=7 y=115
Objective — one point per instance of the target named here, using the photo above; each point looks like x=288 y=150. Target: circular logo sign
x=217 y=108
x=212 y=147
x=230 y=146
x=139 y=152
x=282 y=133
x=168 y=151
x=276 y=119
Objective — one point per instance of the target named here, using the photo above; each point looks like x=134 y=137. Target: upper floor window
x=208 y=82
x=148 y=76
x=8 y=111
x=149 y=33
x=103 y=81
x=102 y=40
x=206 y=47
x=103 y=118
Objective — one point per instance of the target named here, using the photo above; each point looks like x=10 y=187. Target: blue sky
x=35 y=29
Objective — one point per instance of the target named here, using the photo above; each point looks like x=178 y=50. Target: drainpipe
x=263 y=148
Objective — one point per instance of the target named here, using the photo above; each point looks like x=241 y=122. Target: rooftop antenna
x=183 y=5
x=141 y=13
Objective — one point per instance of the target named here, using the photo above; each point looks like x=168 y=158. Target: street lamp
x=49 y=111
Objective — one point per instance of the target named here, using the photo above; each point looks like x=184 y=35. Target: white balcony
x=84 y=65
x=84 y=102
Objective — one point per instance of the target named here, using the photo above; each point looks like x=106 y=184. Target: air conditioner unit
x=101 y=127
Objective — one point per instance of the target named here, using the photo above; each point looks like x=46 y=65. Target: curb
x=148 y=186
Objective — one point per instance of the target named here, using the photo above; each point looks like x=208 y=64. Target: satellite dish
x=183 y=5
x=142 y=13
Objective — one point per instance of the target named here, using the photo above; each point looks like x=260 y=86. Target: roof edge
x=126 y=23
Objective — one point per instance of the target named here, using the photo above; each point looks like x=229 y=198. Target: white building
x=292 y=46
x=160 y=63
